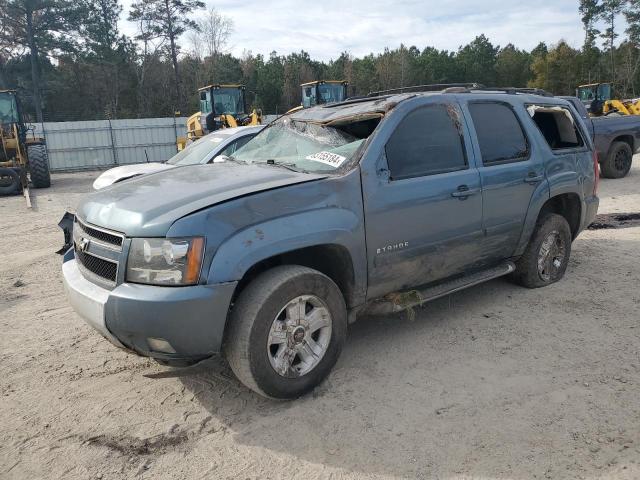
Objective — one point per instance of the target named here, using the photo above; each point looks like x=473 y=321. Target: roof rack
x=515 y=90
x=459 y=88
x=435 y=87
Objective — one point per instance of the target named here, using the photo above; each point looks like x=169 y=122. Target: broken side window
x=557 y=126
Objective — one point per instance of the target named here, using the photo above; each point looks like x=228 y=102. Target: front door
x=423 y=206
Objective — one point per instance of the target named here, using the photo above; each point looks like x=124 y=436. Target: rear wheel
x=618 y=161
x=286 y=331
x=546 y=257
x=39 y=166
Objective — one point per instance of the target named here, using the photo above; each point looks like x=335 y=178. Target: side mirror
x=220 y=159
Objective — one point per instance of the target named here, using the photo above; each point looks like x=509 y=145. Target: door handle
x=533 y=178
x=464 y=191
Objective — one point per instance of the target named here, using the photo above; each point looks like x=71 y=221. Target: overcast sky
x=325 y=28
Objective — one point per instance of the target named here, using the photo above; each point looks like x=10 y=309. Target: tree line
x=70 y=60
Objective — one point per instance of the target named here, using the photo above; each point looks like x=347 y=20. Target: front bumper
x=190 y=319
x=87 y=299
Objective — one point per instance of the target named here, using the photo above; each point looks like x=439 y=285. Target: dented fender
x=328 y=226
x=540 y=195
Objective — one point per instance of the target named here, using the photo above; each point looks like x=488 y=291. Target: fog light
x=160 y=345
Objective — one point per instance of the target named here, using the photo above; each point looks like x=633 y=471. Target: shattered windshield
x=301 y=146
x=8 y=108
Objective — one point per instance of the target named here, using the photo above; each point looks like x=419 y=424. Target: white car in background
x=220 y=142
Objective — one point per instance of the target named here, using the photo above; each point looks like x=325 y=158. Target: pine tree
x=167 y=20
x=42 y=27
x=610 y=9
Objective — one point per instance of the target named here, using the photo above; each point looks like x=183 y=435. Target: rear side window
x=427 y=141
x=499 y=133
x=557 y=126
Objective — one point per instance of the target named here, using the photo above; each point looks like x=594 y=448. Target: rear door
x=509 y=173
x=423 y=204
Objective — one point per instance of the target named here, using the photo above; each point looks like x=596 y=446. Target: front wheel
x=286 y=331
x=546 y=257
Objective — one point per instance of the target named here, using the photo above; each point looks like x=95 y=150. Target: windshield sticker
x=329 y=158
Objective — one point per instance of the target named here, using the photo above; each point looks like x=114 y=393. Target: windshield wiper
x=227 y=158
x=288 y=166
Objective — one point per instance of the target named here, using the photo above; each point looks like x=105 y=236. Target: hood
x=117 y=174
x=148 y=205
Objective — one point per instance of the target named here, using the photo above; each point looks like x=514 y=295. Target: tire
x=618 y=161
x=529 y=272
x=9 y=181
x=305 y=356
x=39 y=166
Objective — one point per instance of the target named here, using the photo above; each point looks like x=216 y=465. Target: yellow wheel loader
x=321 y=92
x=597 y=97
x=23 y=158
x=221 y=106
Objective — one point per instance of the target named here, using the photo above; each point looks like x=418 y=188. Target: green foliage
x=40 y=27
x=590 y=12
x=632 y=15
x=166 y=20
x=513 y=66
x=558 y=70
x=477 y=61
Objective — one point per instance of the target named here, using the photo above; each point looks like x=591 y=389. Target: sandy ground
x=496 y=382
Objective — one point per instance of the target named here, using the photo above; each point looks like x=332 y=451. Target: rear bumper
x=591 y=210
x=190 y=319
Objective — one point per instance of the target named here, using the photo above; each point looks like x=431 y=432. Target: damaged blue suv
x=372 y=205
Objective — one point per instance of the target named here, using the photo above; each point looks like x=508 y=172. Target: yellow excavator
x=23 y=157
x=221 y=106
x=597 y=97
x=320 y=92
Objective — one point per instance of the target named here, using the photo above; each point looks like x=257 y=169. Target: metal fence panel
x=104 y=143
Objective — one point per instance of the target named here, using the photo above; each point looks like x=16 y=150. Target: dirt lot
x=494 y=382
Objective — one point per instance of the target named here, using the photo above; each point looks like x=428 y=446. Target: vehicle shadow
x=478 y=383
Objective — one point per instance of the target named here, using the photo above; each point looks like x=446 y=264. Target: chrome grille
x=98 y=266
x=104 y=237
x=98 y=253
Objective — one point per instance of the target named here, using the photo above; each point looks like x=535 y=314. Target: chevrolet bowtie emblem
x=83 y=244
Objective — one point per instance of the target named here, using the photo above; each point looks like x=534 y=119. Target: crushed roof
x=382 y=104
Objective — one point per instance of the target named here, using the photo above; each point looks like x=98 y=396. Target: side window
x=234 y=146
x=499 y=133
x=427 y=141
x=557 y=126
x=242 y=142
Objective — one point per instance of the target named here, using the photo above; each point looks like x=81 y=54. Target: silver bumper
x=87 y=299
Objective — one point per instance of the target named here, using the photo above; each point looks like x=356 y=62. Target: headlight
x=165 y=261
